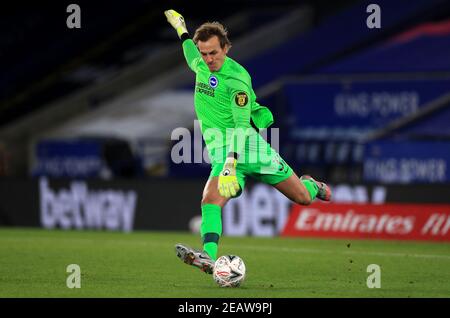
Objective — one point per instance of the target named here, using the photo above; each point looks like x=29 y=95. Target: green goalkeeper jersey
x=224 y=101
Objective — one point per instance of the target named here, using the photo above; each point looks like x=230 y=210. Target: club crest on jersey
x=213 y=81
x=241 y=99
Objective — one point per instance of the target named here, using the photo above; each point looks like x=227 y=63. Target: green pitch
x=33 y=263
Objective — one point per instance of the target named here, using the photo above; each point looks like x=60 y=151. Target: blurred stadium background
x=86 y=116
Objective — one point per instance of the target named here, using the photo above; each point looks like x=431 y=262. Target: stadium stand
x=409 y=51
x=336 y=37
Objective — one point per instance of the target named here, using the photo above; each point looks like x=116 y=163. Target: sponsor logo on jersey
x=213 y=81
x=203 y=88
x=241 y=99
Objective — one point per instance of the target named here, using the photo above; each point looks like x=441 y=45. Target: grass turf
x=33 y=263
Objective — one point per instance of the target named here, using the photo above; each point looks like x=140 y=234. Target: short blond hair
x=208 y=30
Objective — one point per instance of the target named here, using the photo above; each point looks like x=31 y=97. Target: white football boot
x=195 y=258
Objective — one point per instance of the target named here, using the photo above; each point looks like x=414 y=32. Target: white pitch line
x=320 y=251
x=251 y=247
x=401 y=254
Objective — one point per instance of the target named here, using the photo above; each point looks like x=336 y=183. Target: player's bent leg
x=294 y=190
x=279 y=174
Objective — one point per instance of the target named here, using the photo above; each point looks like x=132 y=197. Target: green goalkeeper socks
x=211 y=249
x=312 y=188
x=211 y=228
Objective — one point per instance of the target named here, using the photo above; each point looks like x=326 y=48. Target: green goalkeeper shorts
x=260 y=162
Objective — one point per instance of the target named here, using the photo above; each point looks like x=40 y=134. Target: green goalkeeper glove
x=177 y=21
x=228 y=183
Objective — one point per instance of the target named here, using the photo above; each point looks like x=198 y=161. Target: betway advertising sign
x=364 y=221
x=78 y=207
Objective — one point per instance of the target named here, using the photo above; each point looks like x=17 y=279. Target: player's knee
x=214 y=199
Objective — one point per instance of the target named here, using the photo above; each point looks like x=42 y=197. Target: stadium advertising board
x=68 y=158
x=79 y=207
x=129 y=205
x=263 y=211
x=367 y=221
x=359 y=104
x=407 y=162
x=119 y=205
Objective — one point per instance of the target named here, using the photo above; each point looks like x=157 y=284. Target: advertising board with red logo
x=384 y=221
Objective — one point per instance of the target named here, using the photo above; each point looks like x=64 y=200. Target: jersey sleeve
x=192 y=56
x=241 y=106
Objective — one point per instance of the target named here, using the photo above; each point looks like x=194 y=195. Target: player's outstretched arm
x=191 y=53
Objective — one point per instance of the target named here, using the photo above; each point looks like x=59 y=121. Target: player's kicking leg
x=303 y=190
x=280 y=175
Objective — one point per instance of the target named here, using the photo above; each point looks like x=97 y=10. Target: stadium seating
x=334 y=39
x=424 y=48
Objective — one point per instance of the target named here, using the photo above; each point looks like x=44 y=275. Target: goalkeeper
x=225 y=102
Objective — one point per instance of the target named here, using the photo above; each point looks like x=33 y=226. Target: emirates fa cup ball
x=229 y=271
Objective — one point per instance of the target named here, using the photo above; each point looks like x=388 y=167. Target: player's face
x=212 y=53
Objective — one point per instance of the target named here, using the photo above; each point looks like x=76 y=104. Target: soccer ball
x=229 y=271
